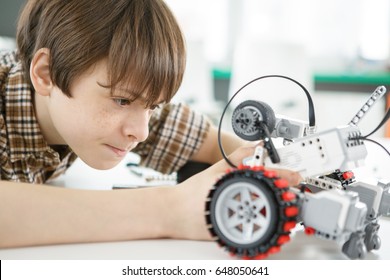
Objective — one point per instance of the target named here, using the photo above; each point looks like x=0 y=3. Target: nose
x=137 y=125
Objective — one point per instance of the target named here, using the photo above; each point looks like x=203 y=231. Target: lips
x=118 y=151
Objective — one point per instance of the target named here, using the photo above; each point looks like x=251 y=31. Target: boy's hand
x=193 y=192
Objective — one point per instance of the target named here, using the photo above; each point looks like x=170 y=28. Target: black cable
x=365 y=138
x=379 y=144
x=384 y=120
x=310 y=101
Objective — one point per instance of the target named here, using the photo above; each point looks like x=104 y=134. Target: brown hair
x=140 y=39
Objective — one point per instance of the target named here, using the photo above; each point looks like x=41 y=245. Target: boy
x=88 y=79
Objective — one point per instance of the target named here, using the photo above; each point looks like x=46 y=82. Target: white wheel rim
x=243 y=213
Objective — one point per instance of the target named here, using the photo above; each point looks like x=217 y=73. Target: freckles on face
x=86 y=125
x=99 y=126
x=106 y=123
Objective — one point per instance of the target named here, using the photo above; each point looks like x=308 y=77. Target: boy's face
x=101 y=127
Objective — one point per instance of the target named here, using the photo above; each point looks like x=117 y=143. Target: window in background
x=206 y=22
x=335 y=33
x=374 y=41
x=332 y=36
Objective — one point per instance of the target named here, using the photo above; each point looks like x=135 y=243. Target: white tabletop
x=300 y=247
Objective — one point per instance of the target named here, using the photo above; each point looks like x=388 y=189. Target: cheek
x=84 y=120
x=77 y=122
x=104 y=118
x=102 y=122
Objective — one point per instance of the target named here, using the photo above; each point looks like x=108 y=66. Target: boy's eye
x=122 y=101
x=154 y=107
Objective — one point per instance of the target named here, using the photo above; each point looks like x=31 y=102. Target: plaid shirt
x=176 y=133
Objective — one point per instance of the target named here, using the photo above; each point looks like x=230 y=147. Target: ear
x=40 y=73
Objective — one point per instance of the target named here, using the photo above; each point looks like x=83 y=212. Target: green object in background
x=221 y=74
x=372 y=78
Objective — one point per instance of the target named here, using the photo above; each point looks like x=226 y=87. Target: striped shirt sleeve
x=176 y=133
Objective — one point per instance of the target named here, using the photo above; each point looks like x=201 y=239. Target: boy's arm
x=40 y=214
x=210 y=153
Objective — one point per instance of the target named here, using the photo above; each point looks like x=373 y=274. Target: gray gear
x=244 y=121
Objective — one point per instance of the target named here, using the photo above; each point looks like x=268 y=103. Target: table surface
x=300 y=247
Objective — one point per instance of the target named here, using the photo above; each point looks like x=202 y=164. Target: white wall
x=295 y=38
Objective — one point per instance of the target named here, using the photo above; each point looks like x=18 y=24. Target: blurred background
x=339 y=50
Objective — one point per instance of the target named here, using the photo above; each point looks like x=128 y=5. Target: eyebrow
x=132 y=94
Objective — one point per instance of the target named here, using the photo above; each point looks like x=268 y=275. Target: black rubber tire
x=276 y=207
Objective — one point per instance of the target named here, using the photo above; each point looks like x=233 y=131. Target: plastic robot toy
x=251 y=212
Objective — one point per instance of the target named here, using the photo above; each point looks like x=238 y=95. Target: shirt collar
x=24 y=134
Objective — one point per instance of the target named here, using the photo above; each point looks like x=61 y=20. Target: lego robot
x=251 y=212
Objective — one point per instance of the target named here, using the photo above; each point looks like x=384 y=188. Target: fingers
x=293 y=178
x=237 y=157
x=243 y=152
